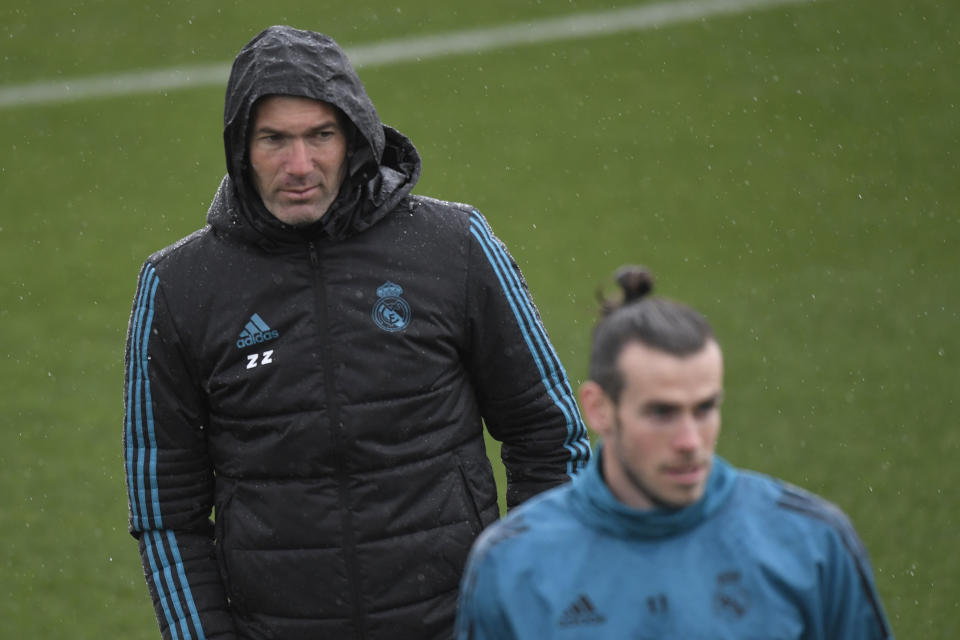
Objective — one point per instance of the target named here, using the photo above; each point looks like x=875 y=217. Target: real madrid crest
x=391 y=312
x=731 y=599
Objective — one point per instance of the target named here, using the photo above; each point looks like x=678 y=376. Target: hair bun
x=636 y=282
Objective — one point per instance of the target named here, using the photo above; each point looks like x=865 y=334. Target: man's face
x=659 y=439
x=298 y=154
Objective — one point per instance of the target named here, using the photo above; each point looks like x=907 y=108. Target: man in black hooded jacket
x=314 y=367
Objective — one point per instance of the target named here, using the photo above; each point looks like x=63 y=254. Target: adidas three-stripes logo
x=256 y=332
x=580 y=611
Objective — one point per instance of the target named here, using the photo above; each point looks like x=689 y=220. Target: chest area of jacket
x=713 y=585
x=362 y=322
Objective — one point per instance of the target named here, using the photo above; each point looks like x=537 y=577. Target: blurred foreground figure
x=314 y=367
x=660 y=537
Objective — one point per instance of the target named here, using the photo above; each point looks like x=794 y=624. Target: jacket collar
x=593 y=502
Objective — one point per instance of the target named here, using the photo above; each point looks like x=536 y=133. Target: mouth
x=300 y=193
x=687 y=474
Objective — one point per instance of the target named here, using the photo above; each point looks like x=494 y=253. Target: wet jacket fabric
x=322 y=389
x=754 y=558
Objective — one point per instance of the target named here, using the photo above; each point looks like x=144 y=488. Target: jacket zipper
x=336 y=429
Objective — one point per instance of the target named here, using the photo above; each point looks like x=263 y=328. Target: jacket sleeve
x=851 y=604
x=524 y=394
x=169 y=476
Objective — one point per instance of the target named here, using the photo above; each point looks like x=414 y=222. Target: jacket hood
x=383 y=165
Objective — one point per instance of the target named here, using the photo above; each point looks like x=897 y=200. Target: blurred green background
x=792 y=171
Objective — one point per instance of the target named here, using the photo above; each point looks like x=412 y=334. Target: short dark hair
x=655 y=322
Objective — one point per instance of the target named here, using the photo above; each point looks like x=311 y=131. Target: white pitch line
x=582 y=25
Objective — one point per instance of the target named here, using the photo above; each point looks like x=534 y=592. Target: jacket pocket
x=472 y=507
x=220 y=532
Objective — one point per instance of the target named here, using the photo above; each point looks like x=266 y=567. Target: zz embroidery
x=259 y=359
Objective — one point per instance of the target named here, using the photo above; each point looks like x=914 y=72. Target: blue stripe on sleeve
x=136 y=447
x=159 y=581
x=140 y=410
x=148 y=410
x=168 y=579
x=551 y=370
x=129 y=436
x=142 y=475
x=187 y=594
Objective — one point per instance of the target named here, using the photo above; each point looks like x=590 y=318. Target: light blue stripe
x=528 y=321
x=133 y=332
x=168 y=575
x=575 y=428
x=187 y=594
x=148 y=406
x=514 y=291
x=158 y=583
x=137 y=402
x=142 y=416
x=533 y=351
x=140 y=390
x=144 y=412
x=578 y=437
x=137 y=373
x=577 y=434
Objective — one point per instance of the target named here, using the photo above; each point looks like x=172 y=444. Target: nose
x=687 y=436
x=299 y=161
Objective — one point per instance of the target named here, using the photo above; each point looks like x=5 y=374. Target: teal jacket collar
x=593 y=502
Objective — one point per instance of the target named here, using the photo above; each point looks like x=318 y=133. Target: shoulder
x=182 y=251
x=543 y=520
x=455 y=224
x=190 y=271
x=445 y=213
x=801 y=513
x=428 y=204
x=791 y=499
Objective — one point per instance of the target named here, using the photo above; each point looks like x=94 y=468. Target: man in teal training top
x=659 y=537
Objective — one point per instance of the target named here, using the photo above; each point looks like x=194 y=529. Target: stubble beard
x=637 y=482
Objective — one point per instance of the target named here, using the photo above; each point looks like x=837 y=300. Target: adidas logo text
x=256 y=332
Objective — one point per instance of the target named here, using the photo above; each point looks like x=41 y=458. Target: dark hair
x=636 y=316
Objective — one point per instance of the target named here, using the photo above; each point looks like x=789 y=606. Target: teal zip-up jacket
x=754 y=558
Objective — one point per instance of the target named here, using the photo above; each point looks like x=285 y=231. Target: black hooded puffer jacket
x=322 y=389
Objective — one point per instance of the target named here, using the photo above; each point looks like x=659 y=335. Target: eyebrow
x=326 y=124
x=714 y=399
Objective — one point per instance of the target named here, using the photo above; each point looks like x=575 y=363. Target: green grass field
x=791 y=171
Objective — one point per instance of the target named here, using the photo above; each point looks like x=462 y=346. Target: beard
x=635 y=478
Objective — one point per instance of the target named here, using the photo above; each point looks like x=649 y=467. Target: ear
x=598 y=408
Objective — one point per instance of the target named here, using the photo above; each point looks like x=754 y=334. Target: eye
x=661 y=412
x=272 y=139
x=321 y=135
x=705 y=408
